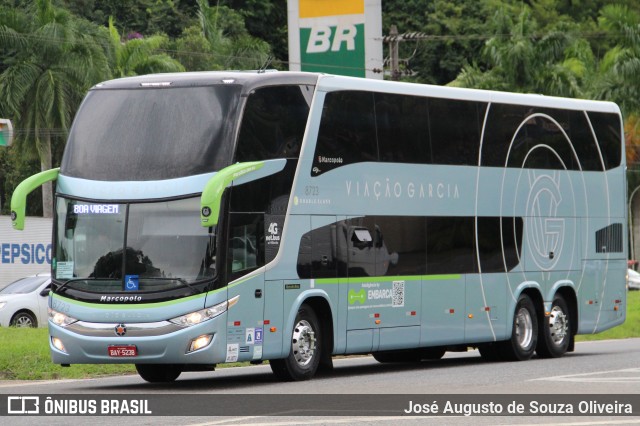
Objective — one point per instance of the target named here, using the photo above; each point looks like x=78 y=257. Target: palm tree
x=140 y=55
x=231 y=44
x=52 y=59
x=520 y=60
x=620 y=67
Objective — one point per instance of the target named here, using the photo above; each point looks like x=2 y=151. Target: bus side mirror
x=238 y=173
x=212 y=193
x=19 y=196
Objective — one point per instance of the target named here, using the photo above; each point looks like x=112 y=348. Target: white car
x=24 y=303
x=633 y=280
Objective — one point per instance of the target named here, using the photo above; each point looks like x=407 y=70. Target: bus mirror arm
x=19 y=196
x=237 y=174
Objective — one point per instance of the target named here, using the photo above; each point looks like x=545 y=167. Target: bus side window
x=273 y=123
x=246 y=243
x=347 y=132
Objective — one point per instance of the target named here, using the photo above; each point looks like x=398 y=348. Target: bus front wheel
x=555 y=330
x=304 y=356
x=159 y=373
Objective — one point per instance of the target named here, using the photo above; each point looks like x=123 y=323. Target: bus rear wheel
x=306 y=343
x=159 y=373
x=524 y=332
x=555 y=330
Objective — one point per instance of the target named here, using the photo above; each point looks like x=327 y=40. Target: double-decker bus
x=204 y=218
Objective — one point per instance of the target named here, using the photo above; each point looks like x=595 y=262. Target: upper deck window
x=152 y=133
x=273 y=123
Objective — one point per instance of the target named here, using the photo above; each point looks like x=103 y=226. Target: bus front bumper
x=138 y=343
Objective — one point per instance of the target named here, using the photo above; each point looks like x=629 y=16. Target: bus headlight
x=203 y=315
x=58 y=318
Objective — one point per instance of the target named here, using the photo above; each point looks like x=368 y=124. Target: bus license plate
x=123 y=351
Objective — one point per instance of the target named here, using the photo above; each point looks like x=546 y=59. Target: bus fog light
x=200 y=342
x=57 y=343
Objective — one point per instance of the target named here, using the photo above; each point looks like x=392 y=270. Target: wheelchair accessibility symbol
x=131 y=282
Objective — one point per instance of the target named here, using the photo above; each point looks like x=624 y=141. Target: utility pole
x=394 y=39
x=394 y=44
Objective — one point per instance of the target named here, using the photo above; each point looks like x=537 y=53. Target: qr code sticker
x=398 y=294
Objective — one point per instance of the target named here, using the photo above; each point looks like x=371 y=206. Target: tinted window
x=360 y=126
x=152 y=133
x=245 y=250
x=548 y=138
x=403 y=128
x=268 y=197
x=499 y=243
x=455 y=128
x=273 y=123
x=607 y=130
x=347 y=132
x=451 y=245
x=401 y=245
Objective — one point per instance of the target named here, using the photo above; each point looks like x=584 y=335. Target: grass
x=25 y=351
x=25 y=356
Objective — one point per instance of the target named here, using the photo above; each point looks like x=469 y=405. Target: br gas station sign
x=336 y=36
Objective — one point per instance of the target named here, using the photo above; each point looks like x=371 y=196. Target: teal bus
x=204 y=218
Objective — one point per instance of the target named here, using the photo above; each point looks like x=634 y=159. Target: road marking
x=629 y=375
x=11 y=384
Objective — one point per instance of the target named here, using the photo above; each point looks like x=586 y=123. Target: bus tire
x=159 y=373
x=555 y=330
x=524 y=332
x=306 y=343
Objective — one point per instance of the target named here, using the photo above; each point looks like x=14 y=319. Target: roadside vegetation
x=25 y=352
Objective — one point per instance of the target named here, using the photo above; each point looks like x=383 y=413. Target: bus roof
x=330 y=83
x=248 y=79
x=327 y=82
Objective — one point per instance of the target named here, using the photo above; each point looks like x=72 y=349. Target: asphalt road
x=602 y=368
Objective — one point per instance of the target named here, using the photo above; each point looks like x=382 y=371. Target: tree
x=139 y=55
x=51 y=60
x=231 y=44
x=521 y=59
x=220 y=41
x=619 y=79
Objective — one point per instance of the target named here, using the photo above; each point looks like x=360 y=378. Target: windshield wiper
x=180 y=280
x=64 y=284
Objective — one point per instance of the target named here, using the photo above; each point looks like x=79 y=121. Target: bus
x=215 y=217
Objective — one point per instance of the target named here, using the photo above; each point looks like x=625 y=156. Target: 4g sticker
x=273 y=231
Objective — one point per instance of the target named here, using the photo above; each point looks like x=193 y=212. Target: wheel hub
x=558 y=325
x=303 y=343
x=524 y=328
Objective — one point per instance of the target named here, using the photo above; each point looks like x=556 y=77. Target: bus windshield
x=128 y=134
x=110 y=247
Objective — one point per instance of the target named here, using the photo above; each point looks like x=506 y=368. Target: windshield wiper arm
x=180 y=280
